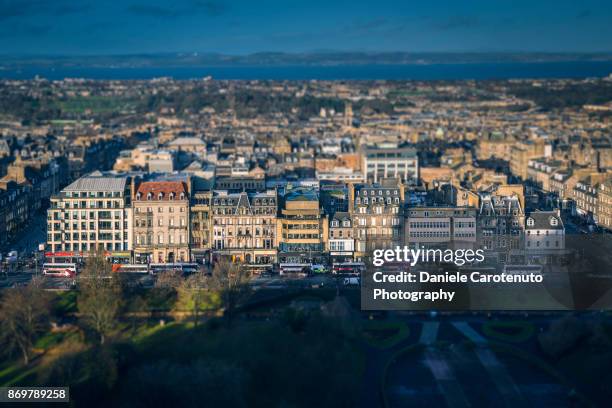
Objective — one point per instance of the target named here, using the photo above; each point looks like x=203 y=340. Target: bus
x=348 y=268
x=299 y=268
x=184 y=268
x=130 y=268
x=65 y=270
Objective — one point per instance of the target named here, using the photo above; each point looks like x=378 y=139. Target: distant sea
x=574 y=69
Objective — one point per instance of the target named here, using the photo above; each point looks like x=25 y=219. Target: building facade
x=388 y=160
x=161 y=222
x=244 y=227
x=91 y=214
x=377 y=214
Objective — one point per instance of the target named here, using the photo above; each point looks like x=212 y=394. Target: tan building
x=302 y=228
x=201 y=225
x=244 y=227
x=495 y=145
x=521 y=153
x=377 y=214
x=161 y=222
x=604 y=205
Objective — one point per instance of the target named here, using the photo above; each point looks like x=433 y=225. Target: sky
x=104 y=27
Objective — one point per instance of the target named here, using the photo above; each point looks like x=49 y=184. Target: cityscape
x=270 y=173
x=214 y=203
x=297 y=184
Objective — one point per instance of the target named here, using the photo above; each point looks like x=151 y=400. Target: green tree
x=100 y=297
x=231 y=282
x=24 y=316
x=193 y=296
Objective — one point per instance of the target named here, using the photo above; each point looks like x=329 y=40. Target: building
x=161 y=222
x=604 y=205
x=302 y=227
x=390 y=160
x=14 y=209
x=91 y=214
x=244 y=227
x=201 y=225
x=585 y=199
x=500 y=223
x=377 y=214
x=521 y=153
x=341 y=243
x=544 y=236
x=441 y=227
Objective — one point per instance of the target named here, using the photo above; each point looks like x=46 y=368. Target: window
x=530 y=222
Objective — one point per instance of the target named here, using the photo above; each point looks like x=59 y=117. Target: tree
x=231 y=282
x=100 y=299
x=24 y=315
x=193 y=295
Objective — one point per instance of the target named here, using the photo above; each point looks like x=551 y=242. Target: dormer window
x=334 y=223
x=553 y=221
x=357 y=200
x=160 y=196
x=530 y=222
x=171 y=196
x=149 y=196
x=182 y=196
x=138 y=196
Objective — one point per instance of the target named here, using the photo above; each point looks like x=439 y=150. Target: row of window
x=142 y=239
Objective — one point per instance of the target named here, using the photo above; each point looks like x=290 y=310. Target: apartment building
x=302 y=228
x=390 y=160
x=544 y=236
x=585 y=198
x=341 y=243
x=500 y=223
x=91 y=214
x=540 y=170
x=201 y=225
x=604 y=205
x=377 y=214
x=441 y=227
x=244 y=226
x=521 y=153
x=161 y=222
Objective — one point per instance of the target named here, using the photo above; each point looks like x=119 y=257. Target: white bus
x=177 y=267
x=65 y=270
x=130 y=268
x=298 y=268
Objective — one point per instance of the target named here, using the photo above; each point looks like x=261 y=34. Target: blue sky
x=56 y=27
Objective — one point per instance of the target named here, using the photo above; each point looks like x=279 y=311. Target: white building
x=92 y=213
x=388 y=160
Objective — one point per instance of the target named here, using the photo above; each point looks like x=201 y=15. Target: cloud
x=206 y=7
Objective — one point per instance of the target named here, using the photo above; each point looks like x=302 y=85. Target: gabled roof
x=163 y=187
x=544 y=220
